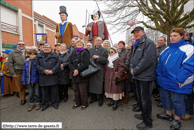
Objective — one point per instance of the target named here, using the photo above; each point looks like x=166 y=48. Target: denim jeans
x=189 y=104
x=178 y=101
x=34 y=89
x=144 y=91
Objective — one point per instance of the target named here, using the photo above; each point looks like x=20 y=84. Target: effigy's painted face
x=63 y=17
x=96 y=16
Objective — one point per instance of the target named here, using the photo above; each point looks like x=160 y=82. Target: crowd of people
x=101 y=70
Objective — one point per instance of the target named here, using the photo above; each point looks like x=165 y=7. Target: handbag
x=125 y=77
x=92 y=68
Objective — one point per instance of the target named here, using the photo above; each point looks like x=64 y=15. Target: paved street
x=93 y=117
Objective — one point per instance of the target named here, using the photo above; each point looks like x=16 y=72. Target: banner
x=40 y=38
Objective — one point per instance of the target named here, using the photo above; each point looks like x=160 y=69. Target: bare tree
x=159 y=15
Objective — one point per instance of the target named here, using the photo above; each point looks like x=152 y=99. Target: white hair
x=47 y=44
x=99 y=38
x=64 y=44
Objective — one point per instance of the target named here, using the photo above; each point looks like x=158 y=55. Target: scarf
x=77 y=50
x=22 y=52
x=137 y=41
x=111 y=59
x=107 y=48
x=62 y=52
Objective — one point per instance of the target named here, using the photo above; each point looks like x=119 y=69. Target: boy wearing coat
x=31 y=78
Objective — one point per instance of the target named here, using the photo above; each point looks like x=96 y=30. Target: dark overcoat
x=64 y=72
x=51 y=62
x=79 y=62
x=96 y=80
x=111 y=74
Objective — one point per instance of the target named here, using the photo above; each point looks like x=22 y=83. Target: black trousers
x=63 y=91
x=97 y=97
x=144 y=92
x=54 y=95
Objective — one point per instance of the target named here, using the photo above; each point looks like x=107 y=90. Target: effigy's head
x=63 y=13
x=96 y=16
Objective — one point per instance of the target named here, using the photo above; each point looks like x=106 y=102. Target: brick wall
x=27 y=31
x=9 y=38
x=51 y=38
x=25 y=6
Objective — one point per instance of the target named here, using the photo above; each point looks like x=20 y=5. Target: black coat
x=96 y=80
x=143 y=60
x=76 y=63
x=50 y=62
x=64 y=72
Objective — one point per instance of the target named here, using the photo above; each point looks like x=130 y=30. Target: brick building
x=20 y=22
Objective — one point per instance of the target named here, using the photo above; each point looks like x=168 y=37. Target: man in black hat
x=143 y=70
x=57 y=48
x=64 y=31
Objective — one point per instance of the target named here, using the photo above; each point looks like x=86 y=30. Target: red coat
x=110 y=76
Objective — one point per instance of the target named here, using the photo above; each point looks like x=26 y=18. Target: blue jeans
x=178 y=102
x=189 y=104
x=34 y=88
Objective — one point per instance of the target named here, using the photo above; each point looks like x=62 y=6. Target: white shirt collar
x=63 y=22
x=95 y=21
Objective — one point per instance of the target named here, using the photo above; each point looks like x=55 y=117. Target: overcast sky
x=76 y=14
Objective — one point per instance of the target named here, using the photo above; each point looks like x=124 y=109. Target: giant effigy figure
x=96 y=29
x=64 y=31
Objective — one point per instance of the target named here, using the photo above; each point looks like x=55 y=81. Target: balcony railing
x=9 y=27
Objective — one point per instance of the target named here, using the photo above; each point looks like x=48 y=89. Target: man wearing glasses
x=15 y=66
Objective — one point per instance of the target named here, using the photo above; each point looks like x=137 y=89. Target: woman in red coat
x=114 y=71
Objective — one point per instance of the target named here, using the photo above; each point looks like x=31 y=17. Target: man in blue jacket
x=143 y=70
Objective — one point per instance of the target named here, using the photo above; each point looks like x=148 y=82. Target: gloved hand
x=117 y=81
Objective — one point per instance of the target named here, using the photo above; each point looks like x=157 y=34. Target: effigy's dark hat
x=63 y=10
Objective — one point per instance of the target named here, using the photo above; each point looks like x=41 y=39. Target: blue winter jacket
x=28 y=78
x=176 y=65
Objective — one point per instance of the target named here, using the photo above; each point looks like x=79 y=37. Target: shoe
x=157 y=96
x=138 y=116
x=111 y=103
x=23 y=102
x=74 y=107
x=159 y=105
x=7 y=95
x=126 y=100
x=44 y=108
x=115 y=106
x=83 y=107
x=100 y=103
x=92 y=101
x=31 y=107
x=136 y=109
x=65 y=100
x=143 y=126
x=38 y=106
x=134 y=105
x=56 y=107
x=165 y=116
x=17 y=94
x=175 y=125
x=187 y=117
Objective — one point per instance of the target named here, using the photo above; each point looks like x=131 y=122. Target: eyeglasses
x=21 y=44
x=111 y=52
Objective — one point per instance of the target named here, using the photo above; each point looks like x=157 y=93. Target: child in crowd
x=31 y=78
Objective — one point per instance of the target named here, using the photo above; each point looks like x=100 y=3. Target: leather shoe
x=83 y=107
x=175 y=125
x=74 y=107
x=92 y=101
x=165 y=116
x=65 y=99
x=23 y=102
x=136 y=109
x=111 y=103
x=159 y=105
x=100 y=103
x=44 y=108
x=134 y=105
x=138 y=116
x=56 y=107
x=143 y=126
